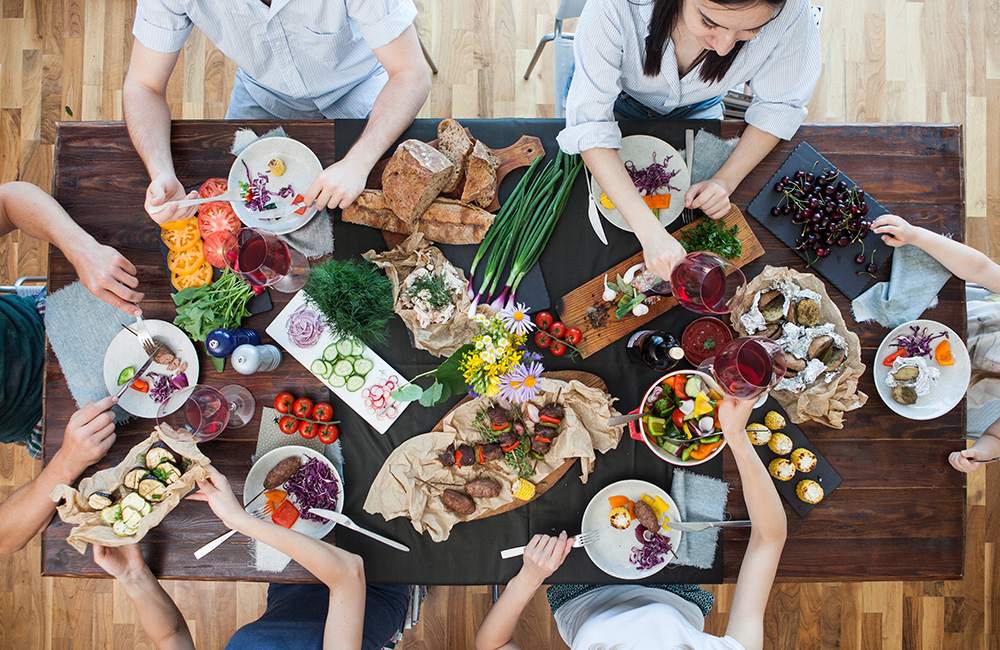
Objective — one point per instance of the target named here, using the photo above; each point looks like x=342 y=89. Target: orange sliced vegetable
x=657 y=201
x=180 y=224
x=901 y=352
x=185 y=262
x=181 y=239
x=285 y=514
x=275 y=496
x=703 y=450
x=618 y=501
x=680 y=381
x=198 y=278
x=943 y=354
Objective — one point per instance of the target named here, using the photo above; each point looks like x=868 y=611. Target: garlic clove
x=640 y=310
x=609 y=293
x=630 y=274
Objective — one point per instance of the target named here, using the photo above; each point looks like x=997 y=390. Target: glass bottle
x=656 y=349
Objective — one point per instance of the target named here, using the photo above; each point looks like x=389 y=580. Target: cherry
x=775 y=211
x=872 y=268
x=859 y=258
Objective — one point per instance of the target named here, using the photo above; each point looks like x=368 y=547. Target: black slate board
x=823 y=473
x=839 y=268
x=532 y=291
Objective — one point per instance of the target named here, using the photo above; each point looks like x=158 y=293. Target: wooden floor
x=884 y=61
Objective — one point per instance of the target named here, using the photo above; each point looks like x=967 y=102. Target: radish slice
x=392 y=412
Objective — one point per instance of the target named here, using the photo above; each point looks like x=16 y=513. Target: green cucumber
x=343 y=368
x=319 y=367
x=345 y=347
x=354 y=383
x=693 y=386
x=359 y=348
x=337 y=381
x=330 y=353
x=363 y=366
x=125 y=375
x=669 y=447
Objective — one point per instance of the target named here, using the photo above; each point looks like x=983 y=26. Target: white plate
x=301 y=168
x=950 y=387
x=255 y=483
x=612 y=550
x=640 y=149
x=125 y=350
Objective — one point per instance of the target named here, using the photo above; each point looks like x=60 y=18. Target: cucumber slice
x=345 y=347
x=319 y=367
x=337 y=381
x=359 y=347
x=125 y=375
x=363 y=366
x=330 y=353
x=111 y=514
x=354 y=383
x=343 y=368
x=123 y=530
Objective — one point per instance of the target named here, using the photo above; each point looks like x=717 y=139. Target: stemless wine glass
x=705 y=283
x=264 y=260
x=196 y=414
x=747 y=367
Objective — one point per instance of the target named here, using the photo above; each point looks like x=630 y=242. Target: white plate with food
x=125 y=353
x=615 y=551
x=917 y=385
x=314 y=483
x=285 y=168
x=662 y=170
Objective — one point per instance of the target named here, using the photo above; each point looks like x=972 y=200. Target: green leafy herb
x=439 y=295
x=221 y=304
x=353 y=296
x=711 y=235
x=448 y=381
x=708 y=344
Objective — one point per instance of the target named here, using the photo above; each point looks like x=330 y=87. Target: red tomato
x=283 y=402
x=542 y=339
x=558 y=348
x=308 y=430
x=299 y=199
x=543 y=320
x=557 y=330
x=678 y=419
x=285 y=514
x=213 y=249
x=213 y=187
x=322 y=412
x=217 y=216
x=573 y=336
x=329 y=434
x=288 y=424
x=302 y=407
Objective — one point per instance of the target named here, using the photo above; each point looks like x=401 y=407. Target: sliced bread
x=414 y=177
x=456 y=146
x=481 y=176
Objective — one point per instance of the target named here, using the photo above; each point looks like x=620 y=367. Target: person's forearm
x=753 y=146
x=28 y=511
x=964 y=261
x=498 y=627
x=28 y=208
x=147 y=117
x=767 y=516
x=158 y=614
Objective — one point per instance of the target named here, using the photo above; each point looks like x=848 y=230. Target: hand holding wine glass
x=748 y=367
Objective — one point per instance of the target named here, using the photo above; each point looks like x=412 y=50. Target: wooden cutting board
x=600 y=327
x=543 y=484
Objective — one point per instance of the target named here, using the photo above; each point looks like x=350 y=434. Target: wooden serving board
x=543 y=484
x=600 y=327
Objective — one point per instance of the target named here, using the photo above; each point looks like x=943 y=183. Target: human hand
x=544 y=554
x=108 y=275
x=734 y=413
x=964 y=461
x=119 y=561
x=337 y=185
x=165 y=187
x=89 y=435
x=661 y=252
x=894 y=230
x=218 y=494
x=712 y=196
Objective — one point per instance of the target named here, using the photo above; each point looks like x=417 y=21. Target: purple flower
x=522 y=383
x=516 y=319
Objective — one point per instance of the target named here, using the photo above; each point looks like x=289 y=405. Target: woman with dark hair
x=675 y=59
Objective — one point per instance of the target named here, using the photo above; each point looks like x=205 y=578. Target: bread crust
x=481 y=176
x=413 y=178
x=445 y=221
x=456 y=147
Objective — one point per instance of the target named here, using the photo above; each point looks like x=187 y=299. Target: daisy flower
x=522 y=383
x=516 y=319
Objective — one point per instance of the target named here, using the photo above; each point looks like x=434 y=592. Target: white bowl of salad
x=683 y=428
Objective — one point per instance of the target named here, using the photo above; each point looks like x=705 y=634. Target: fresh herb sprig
x=439 y=295
x=219 y=305
x=353 y=296
x=517 y=458
x=711 y=235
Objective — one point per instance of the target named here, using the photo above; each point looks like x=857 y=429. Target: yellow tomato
x=181 y=239
x=185 y=262
x=199 y=278
x=182 y=224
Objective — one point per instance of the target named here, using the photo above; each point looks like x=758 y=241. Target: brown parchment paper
x=440 y=339
x=820 y=402
x=90 y=528
x=397 y=492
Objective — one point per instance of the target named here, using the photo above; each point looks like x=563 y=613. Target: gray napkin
x=314 y=239
x=913 y=285
x=80 y=328
x=698 y=498
x=710 y=153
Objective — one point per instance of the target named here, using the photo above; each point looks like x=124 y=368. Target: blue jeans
x=295 y=618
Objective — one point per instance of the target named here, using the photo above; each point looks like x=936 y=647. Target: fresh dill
x=439 y=295
x=353 y=296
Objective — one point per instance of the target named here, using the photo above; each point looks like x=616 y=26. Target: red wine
x=754 y=364
x=656 y=349
x=713 y=288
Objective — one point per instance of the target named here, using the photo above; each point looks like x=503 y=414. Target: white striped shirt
x=781 y=63
x=294 y=56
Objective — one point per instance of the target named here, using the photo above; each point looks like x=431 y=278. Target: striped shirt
x=781 y=63
x=294 y=56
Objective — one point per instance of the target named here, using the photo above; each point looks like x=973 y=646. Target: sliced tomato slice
x=213 y=187
x=180 y=239
x=185 y=262
x=213 y=247
x=217 y=216
x=199 y=278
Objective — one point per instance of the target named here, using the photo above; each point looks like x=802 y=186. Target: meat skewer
x=466 y=455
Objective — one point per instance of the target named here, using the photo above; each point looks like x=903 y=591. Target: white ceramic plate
x=125 y=350
x=612 y=550
x=301 y=168
x=255 y=483
x=950 y=387
x=640 y=149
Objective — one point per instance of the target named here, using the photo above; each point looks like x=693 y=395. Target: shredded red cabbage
x=304 y=327
x=162 y=387
x=653 y=177
x=257 y=197
x=653 y=551
x=917 y=344
x=313 y=486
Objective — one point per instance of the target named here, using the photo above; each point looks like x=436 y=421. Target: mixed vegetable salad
x=684 y=420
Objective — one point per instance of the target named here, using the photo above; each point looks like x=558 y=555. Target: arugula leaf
x=711 y=235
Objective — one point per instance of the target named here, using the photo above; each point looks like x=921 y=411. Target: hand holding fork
x=584 y=538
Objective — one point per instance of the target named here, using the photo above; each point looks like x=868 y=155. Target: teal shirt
x=22 y=359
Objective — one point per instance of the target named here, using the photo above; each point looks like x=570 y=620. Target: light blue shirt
x=781 y=63
x=294 y=56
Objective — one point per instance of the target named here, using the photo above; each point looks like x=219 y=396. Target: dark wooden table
x=898 y=515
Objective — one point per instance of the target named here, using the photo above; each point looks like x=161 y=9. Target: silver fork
x=688 y=213
x=148 y=344
x=584 y=538
x=259 y=513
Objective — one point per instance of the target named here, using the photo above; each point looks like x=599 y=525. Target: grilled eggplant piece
x=458 y=502
x=133 y=476
x=159 y=453
x=168 y=472
x=483 y=487
x=152 y=489
x=99 y=500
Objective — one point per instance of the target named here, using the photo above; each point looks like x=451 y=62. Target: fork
x=259 y=513
x=688 y=213
x=148 y=344
x=584 y=538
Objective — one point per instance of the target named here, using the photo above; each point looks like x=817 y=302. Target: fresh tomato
x=543 y=320
x=308 y=430
x=285 y=514
x=542 y=339
x=573 y=336
x=283 y=402
x=558 y=348
x=901 y=352
x=329 y=434
x=299 y=199
x=322 y=412
x=185 y=262
x=197 y=278
x=678 y=419
x=180 y=239
x=302 y=407
x=140 y=385
x=557 y=330
x=217 y=216
x=288 y=424
x=213 y=187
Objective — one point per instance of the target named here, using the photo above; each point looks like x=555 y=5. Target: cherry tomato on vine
x=558 y=348
x=543 y=320
x=322 y=412
x=557 y=330
x=283 y=402
x=288 y=424
x=573 y=336
x=302 y=407
x=308 y=430
x=542 y=339
x=329 y=434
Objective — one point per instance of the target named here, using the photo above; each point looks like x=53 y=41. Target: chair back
x=569 y=9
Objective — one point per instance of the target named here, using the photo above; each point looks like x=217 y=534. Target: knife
x=345 y=521
x=592 y=214
x=142 y=369
x=697 y=526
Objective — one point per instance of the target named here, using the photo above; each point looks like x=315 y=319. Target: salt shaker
x=248 y=359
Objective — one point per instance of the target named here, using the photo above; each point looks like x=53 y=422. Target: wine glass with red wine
x=264 y=260
x=705 y=283
x=202 y=415
x=747 y=367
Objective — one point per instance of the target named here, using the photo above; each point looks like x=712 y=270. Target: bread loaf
x=414 y=177
x=456 y=146
x=445 y=221
x=481 y=176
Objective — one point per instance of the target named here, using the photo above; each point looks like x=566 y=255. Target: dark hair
x=666 y=13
